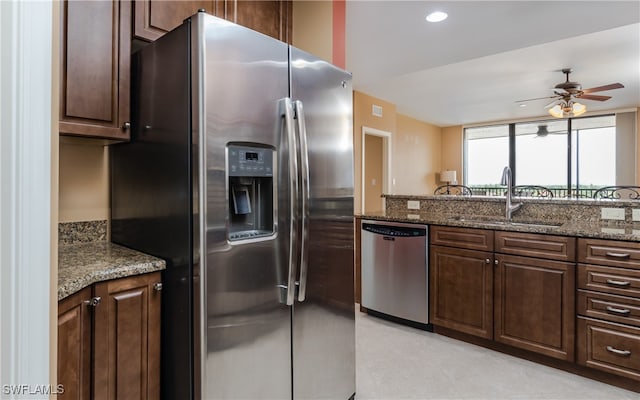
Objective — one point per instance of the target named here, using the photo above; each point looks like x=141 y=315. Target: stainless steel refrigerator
x=239 y=173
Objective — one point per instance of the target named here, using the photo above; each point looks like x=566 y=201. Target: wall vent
x=376 y=111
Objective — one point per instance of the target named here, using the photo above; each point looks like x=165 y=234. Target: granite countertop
x=577 y=228
x=80 y=265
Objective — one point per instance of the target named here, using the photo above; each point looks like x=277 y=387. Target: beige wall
x=452 y=149
x=417 y=161
x=313 y=27
x=362 y=117
x=416 y=148
x=84 y=181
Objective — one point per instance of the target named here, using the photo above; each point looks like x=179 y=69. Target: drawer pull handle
x=618 y=255
x=618 y=311
x=618 y=283
x=624 y=353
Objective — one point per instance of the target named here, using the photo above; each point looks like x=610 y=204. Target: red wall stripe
x=339 y=22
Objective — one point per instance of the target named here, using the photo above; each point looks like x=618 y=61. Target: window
x=593 y=146
x=486 y=154
x=570 y=156
x=541 y=153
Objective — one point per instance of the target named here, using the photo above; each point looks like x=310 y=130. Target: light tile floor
x=395 y=362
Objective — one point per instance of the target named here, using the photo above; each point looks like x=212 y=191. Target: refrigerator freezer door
x=241 y=76
x=324 y=327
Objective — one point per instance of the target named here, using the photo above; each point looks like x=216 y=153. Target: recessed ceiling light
x=523 y=105
x=437 y=16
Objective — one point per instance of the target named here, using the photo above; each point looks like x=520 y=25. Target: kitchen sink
x=497 y=222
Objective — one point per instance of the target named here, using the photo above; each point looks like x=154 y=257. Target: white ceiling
x=472 y=67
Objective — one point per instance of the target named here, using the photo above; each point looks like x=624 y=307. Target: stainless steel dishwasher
x=394 y=271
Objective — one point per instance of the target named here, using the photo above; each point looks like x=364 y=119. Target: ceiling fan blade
x=553 y=103
x=538 y=98
x=594 y=97
x=603 y=88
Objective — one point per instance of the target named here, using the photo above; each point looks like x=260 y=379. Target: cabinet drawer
x=559 y=248
x=609 y=347
x=625 y=282
x=609 y=252
x=621 y=309
x=466 y=238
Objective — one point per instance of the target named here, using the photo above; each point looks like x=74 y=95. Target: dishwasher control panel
x=394 y=230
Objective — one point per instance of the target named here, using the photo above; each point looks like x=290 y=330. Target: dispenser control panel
x=250 y=161
x=251 y=212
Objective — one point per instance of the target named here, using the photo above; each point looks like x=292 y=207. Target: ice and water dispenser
x=250 y=190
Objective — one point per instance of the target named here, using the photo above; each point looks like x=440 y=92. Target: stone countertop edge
x=81 y=265
x=583 y=229
x=532 y=200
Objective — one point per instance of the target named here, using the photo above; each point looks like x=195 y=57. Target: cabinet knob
x=487 y=261
x=126 y=126
x=157 y=286
x=93 y=302
x=495 y=262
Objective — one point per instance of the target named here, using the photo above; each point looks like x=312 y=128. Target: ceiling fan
x=566 y=94
x=543 y=131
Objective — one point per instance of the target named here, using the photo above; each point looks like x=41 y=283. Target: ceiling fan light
x=556 y=111
x=567 y=109
x=578 y=109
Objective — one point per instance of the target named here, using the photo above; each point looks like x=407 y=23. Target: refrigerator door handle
x=294 y=189
x=304 y=170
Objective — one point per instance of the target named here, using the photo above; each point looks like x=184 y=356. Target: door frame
x=28 y=200
x=386 y=161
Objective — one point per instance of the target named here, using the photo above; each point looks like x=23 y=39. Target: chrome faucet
x=506 y=180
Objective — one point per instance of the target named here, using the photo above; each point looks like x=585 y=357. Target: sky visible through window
x=542 y=160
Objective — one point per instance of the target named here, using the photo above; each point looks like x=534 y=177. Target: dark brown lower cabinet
x=461 y=284
x=127 y=339
x=482 y=284
x=121 y=327
x=74 y=346
x=534 y=305
x=609 y=347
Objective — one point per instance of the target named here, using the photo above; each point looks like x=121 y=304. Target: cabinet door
x=74 y=346
x=273 y=18
x=95 y=62
x=535 y=305
x=154 y=18
x=127 y=339
x=461 y=283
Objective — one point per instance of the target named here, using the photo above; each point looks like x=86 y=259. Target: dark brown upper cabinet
x=94 y=74
x=154 y=18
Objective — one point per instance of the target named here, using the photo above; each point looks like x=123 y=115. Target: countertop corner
x=81 y=265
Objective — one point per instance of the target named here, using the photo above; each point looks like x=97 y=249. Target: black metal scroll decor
x=532 y=191
x=453 y=190
x=618 y=192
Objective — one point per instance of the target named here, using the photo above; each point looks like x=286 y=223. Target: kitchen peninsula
x=557 y=284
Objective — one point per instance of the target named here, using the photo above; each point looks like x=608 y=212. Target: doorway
x=376 y=164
